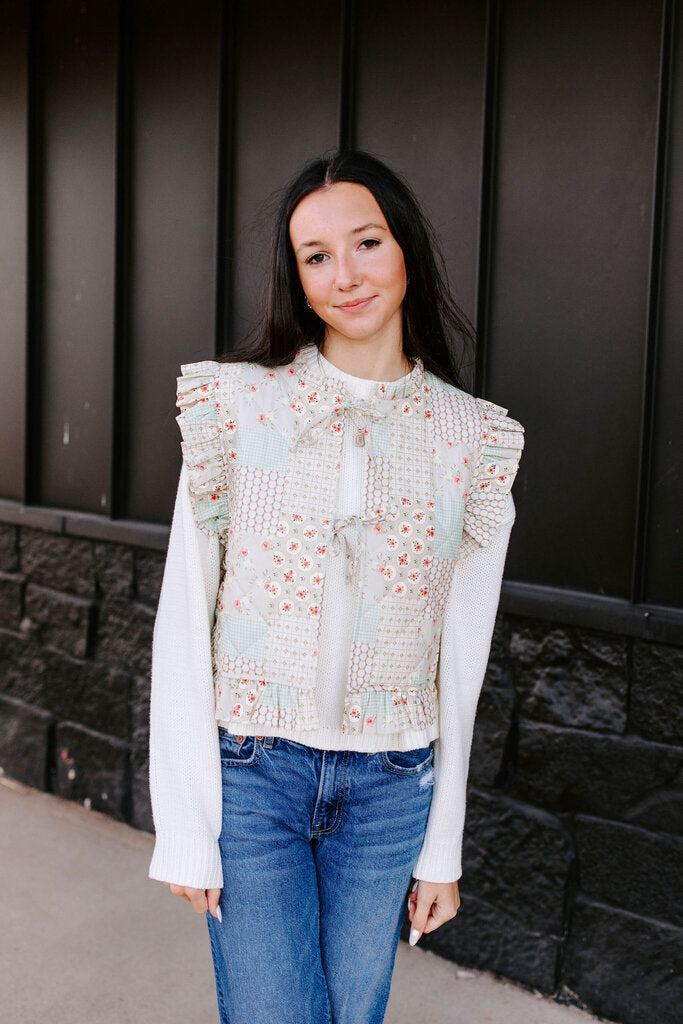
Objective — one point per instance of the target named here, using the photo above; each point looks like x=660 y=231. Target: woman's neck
x=370 y=361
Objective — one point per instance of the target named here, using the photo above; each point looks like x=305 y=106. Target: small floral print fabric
x=263 y=447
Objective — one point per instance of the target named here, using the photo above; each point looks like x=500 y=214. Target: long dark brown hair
x=434 y=326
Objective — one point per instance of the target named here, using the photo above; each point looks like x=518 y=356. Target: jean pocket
x=238 y=750
x=407 y=762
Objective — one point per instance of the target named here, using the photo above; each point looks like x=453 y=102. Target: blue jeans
x=318 y=848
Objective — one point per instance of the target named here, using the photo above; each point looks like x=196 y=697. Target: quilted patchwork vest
x=262 y=448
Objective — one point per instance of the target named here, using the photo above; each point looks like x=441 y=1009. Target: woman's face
x=350 y=265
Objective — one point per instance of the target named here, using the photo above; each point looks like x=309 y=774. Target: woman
x=332 y=579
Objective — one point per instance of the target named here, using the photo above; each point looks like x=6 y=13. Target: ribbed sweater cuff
x=186 y=860
x=439 y=862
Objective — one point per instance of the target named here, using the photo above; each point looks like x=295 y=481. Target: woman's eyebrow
x=354 y=231
x=366 y=227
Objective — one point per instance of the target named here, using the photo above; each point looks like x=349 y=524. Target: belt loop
x=268 y=742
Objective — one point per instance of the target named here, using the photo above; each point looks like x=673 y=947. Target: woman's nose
x=347 y=273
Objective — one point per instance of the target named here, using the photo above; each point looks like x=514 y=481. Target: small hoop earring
x=308 y=303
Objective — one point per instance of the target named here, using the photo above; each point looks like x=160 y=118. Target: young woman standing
x=332 y=579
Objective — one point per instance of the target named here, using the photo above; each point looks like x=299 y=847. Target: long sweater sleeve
x=184 y=767
x=465 y=647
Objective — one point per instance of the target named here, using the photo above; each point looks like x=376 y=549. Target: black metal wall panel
x=419 y=106
x=158 y=137
x=663 y=582
x=286 y=112
x=174 y=160
x=576 y=147
x=13 y=244
x=75 y=360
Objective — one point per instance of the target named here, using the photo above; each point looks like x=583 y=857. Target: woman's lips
x=356 y=307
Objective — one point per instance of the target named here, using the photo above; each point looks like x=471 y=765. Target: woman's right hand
x=201 y=900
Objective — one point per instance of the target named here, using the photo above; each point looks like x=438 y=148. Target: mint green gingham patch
x=202 y=410
x=366 y=622
x=379 y=706
x=278 y=695
x=380 y=437
x=448 y=523
x=213 y=513
x=262 y=448
x=435 y=383
x=242 y=636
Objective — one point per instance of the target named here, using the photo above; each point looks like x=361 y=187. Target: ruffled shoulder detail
x=198 y=399
x=502 y=441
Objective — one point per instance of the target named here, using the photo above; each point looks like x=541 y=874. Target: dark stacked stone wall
x=574 y=834
x=76 y=620
x=573 y=843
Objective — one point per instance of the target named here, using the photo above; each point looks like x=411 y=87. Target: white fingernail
x=219 y=914
x=414 y=936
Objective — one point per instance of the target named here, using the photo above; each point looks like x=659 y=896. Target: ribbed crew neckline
x=360 y=385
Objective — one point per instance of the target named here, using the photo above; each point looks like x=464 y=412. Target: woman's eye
x=370 y=242
x=317 y=257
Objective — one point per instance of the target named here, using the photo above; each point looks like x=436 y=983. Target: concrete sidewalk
x=88 y=938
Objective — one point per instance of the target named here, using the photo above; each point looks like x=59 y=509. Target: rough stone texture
x=124 y=635
x=506 y=844
x=139 y=712
x=625 y=967
x=630 y=868
x=22 y=667
x=139 y=740
x=49 y=559
x=662 y=810
x=94 y=694
x=141 y=814
x=149 y=574
x=570 y=677
x=90 y=692
x=59 y=620
x=491 y=733
x=9 y=548
x=498 y=655
x=24 y=742
x=608 y=776
x=91 y=767
x=656 y=710
x=113 y=570
x=489 y=938
x=11 y=595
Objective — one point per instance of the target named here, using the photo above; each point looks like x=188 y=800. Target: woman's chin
x=356 y=331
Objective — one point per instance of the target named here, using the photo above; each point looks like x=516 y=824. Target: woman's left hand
x=430 y=905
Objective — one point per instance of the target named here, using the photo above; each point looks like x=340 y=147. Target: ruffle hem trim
x=366 y=711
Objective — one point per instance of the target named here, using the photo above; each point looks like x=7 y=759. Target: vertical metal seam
x=35 y=180
x=347 y=75
x=122 y=268
x=653 y=301
x=488 y=184
x=225 y=199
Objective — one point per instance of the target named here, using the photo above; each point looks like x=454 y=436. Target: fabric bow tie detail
x=353 y=525
x=360 y=413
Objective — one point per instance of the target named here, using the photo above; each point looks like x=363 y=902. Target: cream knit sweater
x=185 y=773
